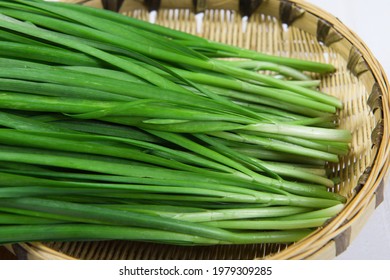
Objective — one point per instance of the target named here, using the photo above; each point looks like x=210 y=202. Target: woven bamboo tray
x=292 y=28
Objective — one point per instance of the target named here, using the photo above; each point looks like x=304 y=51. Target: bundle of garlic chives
x=114 y=128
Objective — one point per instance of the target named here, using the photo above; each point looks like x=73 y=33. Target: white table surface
x=370 y=21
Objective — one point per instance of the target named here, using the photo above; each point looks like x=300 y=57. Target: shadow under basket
x=290 y=28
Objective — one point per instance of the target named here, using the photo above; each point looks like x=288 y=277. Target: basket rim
x=382 y=161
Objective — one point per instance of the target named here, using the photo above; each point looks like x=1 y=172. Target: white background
x=103 y=270
x=370 y=21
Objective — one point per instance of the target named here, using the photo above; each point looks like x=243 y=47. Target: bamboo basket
x=292 y=28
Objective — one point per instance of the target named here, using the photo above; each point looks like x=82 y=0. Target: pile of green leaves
x=114 y=128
